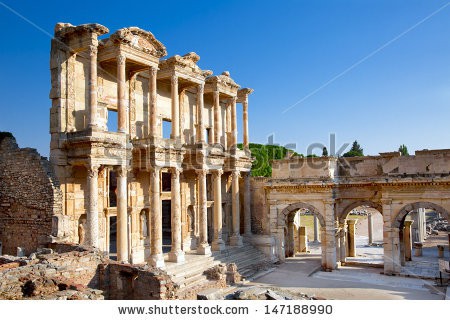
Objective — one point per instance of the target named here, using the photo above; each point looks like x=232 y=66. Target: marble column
x=337 y=240
x=203 y=248
x=402 y=246
x=245 y=122
x=370 y=227
x=316 y=229
x=290 y=241
x=424 y=223
x=227 y=129
x=303 y=239
x=92 y=210
x=235 y=239
x=121 y=101
x=217 y=118
x=343 y=244
x=153 y=97
x=247 y=205
x=156 y=254
x=233 y=124
x=176 y=254
x=200 y=107
x=93 y=86
x=122 y=215
x=407 y=240
x=175 y=108
x=351 y=237
x=218 y=244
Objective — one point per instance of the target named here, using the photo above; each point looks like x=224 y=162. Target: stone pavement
x=299 y=275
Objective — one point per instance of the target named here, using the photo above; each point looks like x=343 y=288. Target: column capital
x=408 y=223
x=201 y=172
x=217 y=173
x=93 y=50
x=121 y=58
x=201 y=88
x=92 y=170
x=176 y=172
x=153 y=70
x=121 y=171
x=236 y=173
x=174 y=80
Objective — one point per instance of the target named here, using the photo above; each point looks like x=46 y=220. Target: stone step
x=189 y=269
x=191 y=262
x=238 y=254
x=190 y=275
x=191 y=281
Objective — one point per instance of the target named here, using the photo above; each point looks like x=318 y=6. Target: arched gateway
x=331 y=187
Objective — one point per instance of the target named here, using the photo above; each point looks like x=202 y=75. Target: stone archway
x=302 y=205
x=405 y=230
x=403 y=212
x=348 y=230
x=287 y=216
x=375 y=205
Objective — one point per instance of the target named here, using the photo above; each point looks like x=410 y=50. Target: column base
x=156 y=260
x=176 y=256
x=122 y=259
x=218 y=245
x=236 y=241
x=204 y=249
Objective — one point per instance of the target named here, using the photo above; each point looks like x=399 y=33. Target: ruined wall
x=259 y=209
x=120 y=281
x=29 y=198
x=48 y=273
x=73 y=272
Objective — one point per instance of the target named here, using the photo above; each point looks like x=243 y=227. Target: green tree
x=355 y=151
x=403 y=150
x=324 y=152
x=263 y=156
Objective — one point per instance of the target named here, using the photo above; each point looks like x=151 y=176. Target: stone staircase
x=189 y=275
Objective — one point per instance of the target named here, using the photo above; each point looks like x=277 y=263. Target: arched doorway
x=293 y=233
x=361 y=234
x=422 y=230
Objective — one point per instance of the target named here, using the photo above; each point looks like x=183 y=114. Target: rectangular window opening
x=112 y=121
x=166 y=181
x=166 y=128
x=208 y=135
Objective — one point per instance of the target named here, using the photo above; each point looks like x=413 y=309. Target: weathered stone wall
x=121 y=281
x=72 y=272
x=259 y=209
x=29 y=198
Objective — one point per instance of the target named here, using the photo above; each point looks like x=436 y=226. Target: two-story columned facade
x=145 y=148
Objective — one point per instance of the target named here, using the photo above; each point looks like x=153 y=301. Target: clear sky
x=373 y=70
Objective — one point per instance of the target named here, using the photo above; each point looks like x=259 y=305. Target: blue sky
x=374 y=70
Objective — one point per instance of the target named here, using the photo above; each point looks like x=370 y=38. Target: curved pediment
x=139 y=39
x=187 y=62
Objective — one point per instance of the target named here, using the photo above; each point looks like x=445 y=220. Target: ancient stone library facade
x=145 y=148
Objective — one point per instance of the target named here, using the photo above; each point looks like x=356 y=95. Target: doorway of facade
x=166 y=225
x=113 y=237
